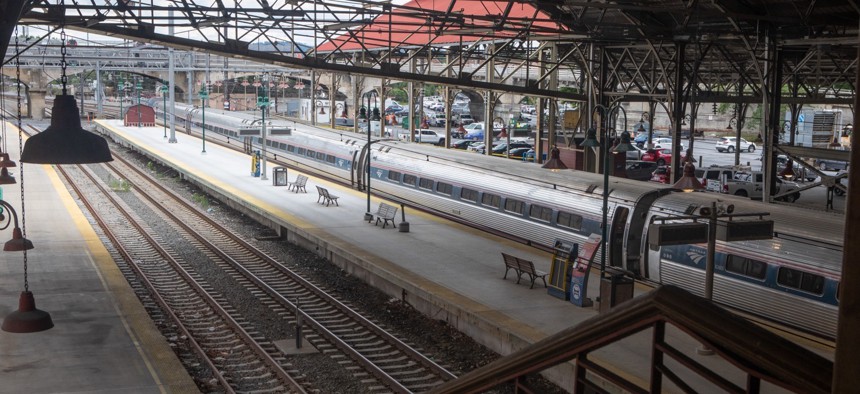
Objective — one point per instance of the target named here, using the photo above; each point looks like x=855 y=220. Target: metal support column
x=678 y=108
x=770 y=135
x=171 y=82
x=846 y=363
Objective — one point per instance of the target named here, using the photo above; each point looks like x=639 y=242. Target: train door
x=360 y=169
x=651 y=261
x=616 y=237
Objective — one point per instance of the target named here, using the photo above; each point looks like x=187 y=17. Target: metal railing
x=758 y=354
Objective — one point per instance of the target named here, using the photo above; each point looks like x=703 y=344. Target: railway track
x=381 y=361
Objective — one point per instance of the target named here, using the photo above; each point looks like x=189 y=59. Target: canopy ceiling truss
x=728 y=44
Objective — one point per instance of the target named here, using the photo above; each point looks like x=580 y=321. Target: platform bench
x=385 y=213
x=325 y=197
x=523 y=267
x=298 y=184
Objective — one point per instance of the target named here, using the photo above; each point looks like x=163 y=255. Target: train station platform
x=103 y=340
x=448 y=271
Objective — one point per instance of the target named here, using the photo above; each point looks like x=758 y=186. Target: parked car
x=476 y=135
x=661 y=156
x=499 y=149
x=347 y=122
x=426 y=136
x=461 y=144
x=831 y=165
x=727 y=144
x=663 y=174
x=635 y=154
x=463 y=119
x=664 y=142
x=518 y=153
x=800 y=172
x=393 y=109
x=640 y=170
x=842 y=181
x=438 y=120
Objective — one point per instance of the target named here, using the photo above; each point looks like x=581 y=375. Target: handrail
x=757 y=352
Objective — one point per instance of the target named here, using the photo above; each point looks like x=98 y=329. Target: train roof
x=621 y=190
x=817 y=235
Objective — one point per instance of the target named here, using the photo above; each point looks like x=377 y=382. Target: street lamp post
x=605 y=147
x=204 y=94
x=139 y=87
x=121 y=94
x=368 y=216
x=164 y=90
x=263 y=103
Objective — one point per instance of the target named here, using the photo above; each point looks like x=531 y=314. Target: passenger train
x=792 y=279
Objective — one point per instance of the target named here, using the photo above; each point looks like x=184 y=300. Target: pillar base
x=403 y=227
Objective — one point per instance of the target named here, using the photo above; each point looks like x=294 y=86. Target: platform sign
x=580 y=270
x=559 y=273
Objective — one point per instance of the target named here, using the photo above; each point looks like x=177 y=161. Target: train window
x=538 y=212
x=310 y=153
x=411 y=180
x=491 y=200
x=515 y=206
x=300 y=151
x=569 y=220
x=394 y=176
x=444 y=188
x=747 y=267
x=426 y=183
x=805 y=281
x=330 y=159
x=291 y=148
x=469 y=194
x=320 y=156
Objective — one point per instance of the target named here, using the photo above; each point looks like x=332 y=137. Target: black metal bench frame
x=523 y=266
x=386 y=213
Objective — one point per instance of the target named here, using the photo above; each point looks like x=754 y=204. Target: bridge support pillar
x=36 y=104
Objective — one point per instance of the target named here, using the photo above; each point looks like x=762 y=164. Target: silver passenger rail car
x=792 y=279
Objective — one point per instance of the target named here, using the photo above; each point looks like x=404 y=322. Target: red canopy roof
x=421 y=21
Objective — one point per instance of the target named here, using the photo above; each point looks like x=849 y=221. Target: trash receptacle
x=279 y=176
x=615 y=288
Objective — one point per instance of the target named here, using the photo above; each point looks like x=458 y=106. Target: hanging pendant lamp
x=65 y=141
x=5 y=178
x=27 y=319
x=6 y=162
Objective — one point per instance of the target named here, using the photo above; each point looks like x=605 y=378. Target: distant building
x=139 y=115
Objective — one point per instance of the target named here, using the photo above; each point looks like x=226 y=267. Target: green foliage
x=723 y=108
x=398 y=94
x=119 y=185
x=754 y=121
x=150 y=166
x=201 y=199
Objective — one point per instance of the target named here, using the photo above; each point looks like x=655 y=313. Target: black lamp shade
x=65 y=141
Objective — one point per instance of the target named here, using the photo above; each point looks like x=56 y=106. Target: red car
x=662 y=174
x=661 y=156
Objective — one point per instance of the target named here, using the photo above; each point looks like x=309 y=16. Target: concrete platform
x=103 y=341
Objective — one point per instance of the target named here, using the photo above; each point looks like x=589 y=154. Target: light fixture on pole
x=604 y=146
x=263 y=103
x=732 y=122
x=369 y=216
x=65 y=141
x=554 y=163
x=204 y=95
x=139 y=87
x=164 y=89
x=787 y=173
x=688 y=182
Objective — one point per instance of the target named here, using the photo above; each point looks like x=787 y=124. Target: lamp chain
x=63 y=78
x=20 y=151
